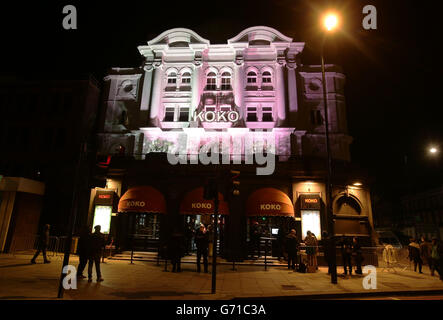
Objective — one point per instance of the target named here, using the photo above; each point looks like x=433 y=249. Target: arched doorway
x=141 y=210
x=197 y=210
x=272 y=211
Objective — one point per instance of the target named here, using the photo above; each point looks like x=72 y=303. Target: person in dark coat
x=291 y=248
x=357 y=253
x=96 y=245
x=202 y=244
x=414 y=255
x=176 y=248
x=43 y=244
x=346 y=253
x=83 y=251
x=255 y=236
x=189 y=234
x=425 y=251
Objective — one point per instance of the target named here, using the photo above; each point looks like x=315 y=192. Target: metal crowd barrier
x=29 y=243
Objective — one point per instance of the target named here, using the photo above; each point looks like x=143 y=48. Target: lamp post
x=330 y=22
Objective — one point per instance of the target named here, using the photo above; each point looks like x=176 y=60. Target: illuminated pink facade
x=256 y=75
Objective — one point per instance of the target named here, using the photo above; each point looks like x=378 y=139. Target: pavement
x=145 y=280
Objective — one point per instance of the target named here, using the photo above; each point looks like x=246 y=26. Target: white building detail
x=257 y=75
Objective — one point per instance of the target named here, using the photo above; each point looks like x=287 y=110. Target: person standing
x=357 y=253
x=436 y=258
x=291 y=248
x=346 y=252
x=96 y=244
x=189 y=234
x=43 y=243
x=255 y=236
x=311 y=249
x=425 y=251
x=83 y=251
x=202 y=243
x=176 y=248
x=414 y=255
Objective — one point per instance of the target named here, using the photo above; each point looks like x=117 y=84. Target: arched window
x=251 y=77
x=266 y=77
x=348 y=206
x=211 y=81
x=226 y=81
x=172 y=78
x=186 y=78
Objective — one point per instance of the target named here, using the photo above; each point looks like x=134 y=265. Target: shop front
x=273 y=212
x=196 y=211
x=141 y=211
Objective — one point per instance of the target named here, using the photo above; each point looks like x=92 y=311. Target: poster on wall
x=102 y=217
x=310 y=221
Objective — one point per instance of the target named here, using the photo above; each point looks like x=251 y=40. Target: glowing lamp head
x=433 y=150
x=358 y=184
x=330 y=21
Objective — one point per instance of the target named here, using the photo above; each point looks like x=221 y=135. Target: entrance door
x=146 y=234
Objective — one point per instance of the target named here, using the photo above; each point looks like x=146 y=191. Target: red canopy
x=142 y=199
x=193 y=203
x=269 y=202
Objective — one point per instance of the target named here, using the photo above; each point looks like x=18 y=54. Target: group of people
x=178 y=246
x=351 y=251
x=292 y=246
x=90 y=247
x=428 y=252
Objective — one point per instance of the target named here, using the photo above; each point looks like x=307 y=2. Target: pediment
x=178 y=37
x=260 y=34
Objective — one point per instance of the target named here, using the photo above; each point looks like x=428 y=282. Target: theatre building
x=243 y=104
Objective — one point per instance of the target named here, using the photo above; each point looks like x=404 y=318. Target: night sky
x=393 y=73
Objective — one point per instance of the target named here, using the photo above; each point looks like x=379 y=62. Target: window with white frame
x=266 y=77
x=184 y=114
x=169 y=114
x=176 y=113
x=267 y=114
x=251 y=114
x=258 y=113
x=186 y=78
x=211 y=81
x=172 y=79
x=226 y=81
x=251 y=78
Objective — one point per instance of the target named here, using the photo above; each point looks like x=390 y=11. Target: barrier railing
x=29 y=243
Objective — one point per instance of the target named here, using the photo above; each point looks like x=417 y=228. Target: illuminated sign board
x=310 y=201
x=102 y=217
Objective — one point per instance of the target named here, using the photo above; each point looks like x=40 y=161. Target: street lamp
x=330 y=23
x=433 y=150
